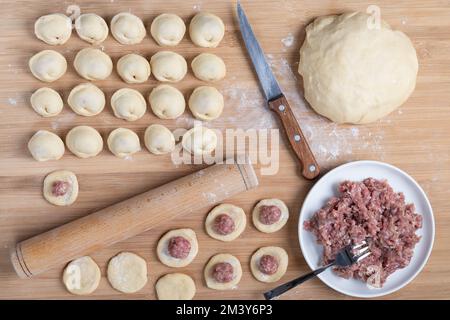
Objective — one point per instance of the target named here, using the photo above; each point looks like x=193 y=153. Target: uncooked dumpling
x=53 y=29
x=84 y=141
x=167 y=29
x=60 y=188
x=45 y=145
x=208 y=67
x=206 y=103
x=199 y=141
x=168 y=66
x=46 y=102
x=128 y=104
x=206 y=30
x=133 y=68
x=82 y=276
x=91 y=28
x=93 y=64
x=158 y=139
x=167 y=102
x=127 y=28
x=123 y=142
x=354 y=72
x=86 y=99
x=48 y=65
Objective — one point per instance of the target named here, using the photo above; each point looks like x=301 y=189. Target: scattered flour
x=210 y=197
x=197 y=7
x=288 y=41
x=12 y=101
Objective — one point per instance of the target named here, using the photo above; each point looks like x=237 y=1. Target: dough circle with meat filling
x=177 y=248
x=225 y=222
x=269 y=264
x=270 y=215
x=223 y=272
x=60 y=188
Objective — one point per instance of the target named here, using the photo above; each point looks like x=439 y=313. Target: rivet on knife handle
x=310 y=168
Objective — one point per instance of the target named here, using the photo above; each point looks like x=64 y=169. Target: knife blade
x=276 y=100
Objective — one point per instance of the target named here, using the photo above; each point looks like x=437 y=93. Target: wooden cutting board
x=414 y=138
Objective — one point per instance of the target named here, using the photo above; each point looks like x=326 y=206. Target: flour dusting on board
x=288 y=41
x=210 y=197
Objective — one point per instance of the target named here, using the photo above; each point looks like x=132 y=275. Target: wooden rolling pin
x=131 y=217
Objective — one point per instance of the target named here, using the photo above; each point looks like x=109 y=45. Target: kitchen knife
x=276 y=100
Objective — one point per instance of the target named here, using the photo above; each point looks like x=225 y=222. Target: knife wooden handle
x=310 y=168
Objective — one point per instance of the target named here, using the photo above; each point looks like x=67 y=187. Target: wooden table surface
x=416 y=138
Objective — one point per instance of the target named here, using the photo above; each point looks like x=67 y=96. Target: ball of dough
x=60 y=188
x=84 y=141
x=269 y=264
x=93 y=64
x=158 y=139
x=270 y=215
x=48 y=65
x=167 y=102
x=128 y=104
x=206 y=103
x=82 y=276
x=225 y=222
x=45 y=145
x=46 y=102
x=53 y=29
x=208 y=67
x=177 y=248
x=133 y=68
x=168 y=66
x=127 y=28
x=199 y=141
x=353 y=73
x=127 y=272
x=91 y=28
x=123 y=142
x=206 y=30
x=86 y=99
x=223 y=272
x=175 y=286
x=168 y=29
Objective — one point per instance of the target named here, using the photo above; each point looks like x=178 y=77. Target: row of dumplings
x=205 y=29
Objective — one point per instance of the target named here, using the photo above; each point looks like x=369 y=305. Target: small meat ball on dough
x=91 y=28
x=225 y=222
x=127 y=272
x=206 y=30
x=177 y=248
x=82 y=276
x=223 y=272
x=167 y=102
x=168 y=66
x=158 y=139
x=199 y=141
x=48 y=65
x=46 y=102
x=53 y=29
x=127 y=28
x=45 y=145
x=168 y=29
x=269 y=264
x=84 y=141
x=175 y=286
x=208 y=67
x=270 y=215
x=128 y=104
x=86 y=100
x=123 y=142
x=93 y=64
x=206 y=103
x=133 y=68
x=60 y=188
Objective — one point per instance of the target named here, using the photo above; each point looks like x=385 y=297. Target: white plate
x=326 y=187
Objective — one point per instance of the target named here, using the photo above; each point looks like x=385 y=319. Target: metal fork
x=347 y=256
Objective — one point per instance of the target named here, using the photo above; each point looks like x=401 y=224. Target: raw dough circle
x=227 y=258
x=133 y=68
x=168 y=66
x=46 y=102
x=82 y=276
x=84 y=141
x=158 y=139
x=206 y=30
x=199 y=140
x=167 y=102
x=281 y=257
x=53 y=29
x=168 y=29
x=365 y=72
x=206 y=103
x=269 y=228
x=91 y=28
x=127 y=272
x=123 y=142
x=208 y=67
x=235 y=213
x=128 y=104
x=162 y=250
x=86 y=99
x=45 y=145
x=48 y=65
x=127 y=28
x=93 y=64
x=175 y=286
x=60 y=188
